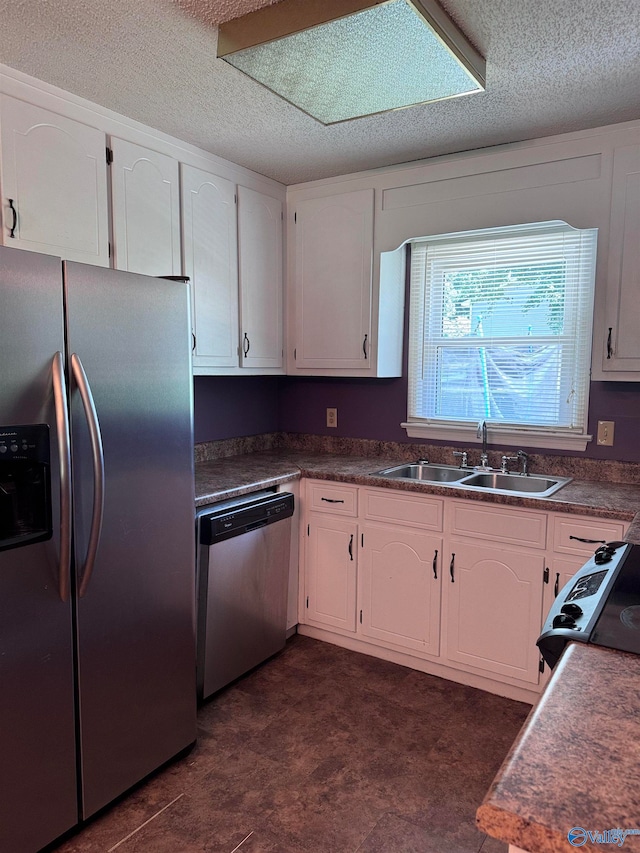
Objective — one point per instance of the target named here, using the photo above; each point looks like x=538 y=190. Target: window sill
x=465 y=434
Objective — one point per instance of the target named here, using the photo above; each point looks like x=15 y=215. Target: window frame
x=572 y=437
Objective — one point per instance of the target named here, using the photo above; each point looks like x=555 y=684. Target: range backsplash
x=565 y=466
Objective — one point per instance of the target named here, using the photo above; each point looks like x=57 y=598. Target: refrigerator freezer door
x=135 y=618
x=38 y=799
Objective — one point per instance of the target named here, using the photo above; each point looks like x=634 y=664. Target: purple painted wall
x=234 y=406
x=229 y=407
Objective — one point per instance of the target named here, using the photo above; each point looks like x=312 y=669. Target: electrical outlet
x=605 y=432
x=332 y=417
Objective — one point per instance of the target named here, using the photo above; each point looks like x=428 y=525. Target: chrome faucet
x=482 y=433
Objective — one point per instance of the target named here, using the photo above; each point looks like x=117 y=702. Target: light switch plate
x=605 y=432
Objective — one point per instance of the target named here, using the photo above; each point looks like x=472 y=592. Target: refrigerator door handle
x=98 y=470
x=64 y=455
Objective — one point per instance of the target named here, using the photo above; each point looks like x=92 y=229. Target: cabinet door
x=146 y=210
x=399 y=587
x=330 y=571
x=494 y=609
x=260 y=261
x=54 y=170
x=333 y=280
x=211 y=262
x=561 y=570
x=621 y=342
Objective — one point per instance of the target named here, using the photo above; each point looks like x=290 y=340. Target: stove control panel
x=575 y=611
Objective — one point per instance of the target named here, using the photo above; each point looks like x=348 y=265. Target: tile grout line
x=142 y=825
x=242 y=842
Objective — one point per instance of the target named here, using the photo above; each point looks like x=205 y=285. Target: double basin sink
x=530 y=485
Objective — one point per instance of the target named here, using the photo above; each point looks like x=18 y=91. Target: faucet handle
x=505 y=459
x=463 y=455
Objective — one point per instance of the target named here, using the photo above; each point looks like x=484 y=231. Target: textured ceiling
x=552 y=66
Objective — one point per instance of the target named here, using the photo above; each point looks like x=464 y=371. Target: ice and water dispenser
x=25 y=485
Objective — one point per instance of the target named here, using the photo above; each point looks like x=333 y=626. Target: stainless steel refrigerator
x=97 y=660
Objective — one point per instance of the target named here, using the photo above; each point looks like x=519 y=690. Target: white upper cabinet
x=332 y=282
x=54 y=184
x=260 y=262
x=146 y=210
x=232 y=239
x=621 y=345
x=346 y=301
x=211 y=262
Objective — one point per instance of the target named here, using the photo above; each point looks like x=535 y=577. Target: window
x=500 y=331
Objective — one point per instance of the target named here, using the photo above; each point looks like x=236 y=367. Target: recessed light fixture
x=343 y=59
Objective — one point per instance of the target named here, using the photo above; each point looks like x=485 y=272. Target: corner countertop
x=232 y=476
x=576 y=762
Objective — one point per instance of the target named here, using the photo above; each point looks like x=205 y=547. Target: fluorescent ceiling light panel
x=342 y=59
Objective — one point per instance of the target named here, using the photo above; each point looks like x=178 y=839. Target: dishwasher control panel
x=226 y=520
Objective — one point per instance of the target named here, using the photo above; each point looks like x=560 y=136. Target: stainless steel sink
x=515 y=484
x=424 y=471
x=479 y=481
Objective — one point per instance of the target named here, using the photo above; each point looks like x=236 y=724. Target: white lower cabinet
x=399 y=582
x=459 y=588
x=494 y=608
x=573 y=539
x=330 y=576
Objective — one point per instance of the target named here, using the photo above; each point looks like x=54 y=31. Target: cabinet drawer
x=333 y=497
x=499 y=524
x=572 y=535
x=410 y=510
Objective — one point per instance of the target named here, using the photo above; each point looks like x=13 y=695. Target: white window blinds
x=500 y=327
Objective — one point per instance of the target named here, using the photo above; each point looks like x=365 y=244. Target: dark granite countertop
x=231 y=476
x=576 y=762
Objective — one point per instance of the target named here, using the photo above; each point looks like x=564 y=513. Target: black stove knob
x=563 y=620
x=603 y=555
x=571 y=609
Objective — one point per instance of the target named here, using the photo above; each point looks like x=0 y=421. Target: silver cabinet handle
x=64 y=456
x=98 y=470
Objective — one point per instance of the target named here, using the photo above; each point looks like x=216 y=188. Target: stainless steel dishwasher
x=242 y=583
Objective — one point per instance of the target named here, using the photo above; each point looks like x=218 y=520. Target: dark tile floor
x=323 y=750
